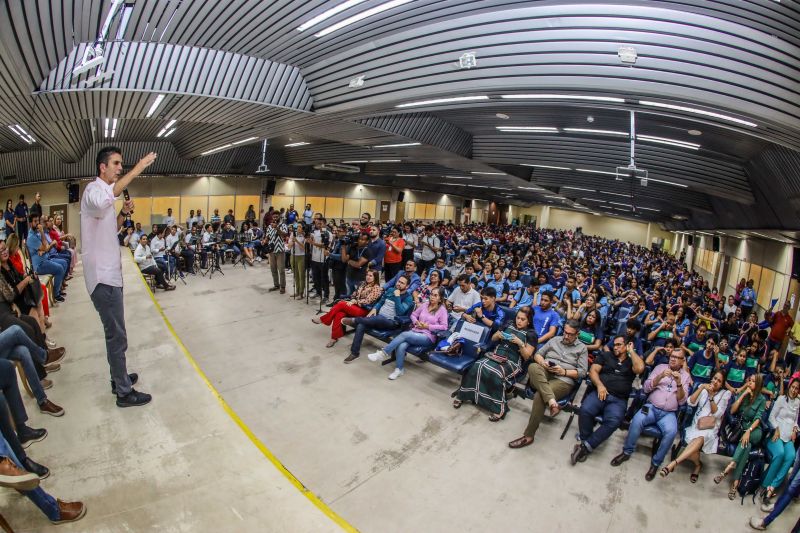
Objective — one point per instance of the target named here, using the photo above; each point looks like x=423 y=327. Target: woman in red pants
x=358 y=305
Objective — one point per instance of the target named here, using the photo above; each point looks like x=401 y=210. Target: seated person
x=359 y=304
x=695 y=341
x=590 y=332
x=228 y=238
x=668 y=389
x=783 y=417
x=724 y=353
x=158 y=245
x=144 y=258
x=659 y=355
x=423 y=293
x=13 y=475
x=13 y=418
x=486 y=381
x=41 y=263
x=750 y=405
x=545 y=318
x=16 y=346
x=392 y=305
x=24 y=291
x=703 y=432
x=736 y=372
x=438 y=266
x=249 y=245
x=703 y=363
x=189 y=249
x=486 y=312
x=462 y=298
x=429 y=317
x=523 y=297
x=666 y=330
x=612 y=376
x=411 y=273
x=631 y=334
x=558 y=366
x=499 y=284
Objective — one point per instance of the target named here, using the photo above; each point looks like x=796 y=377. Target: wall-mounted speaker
x=715 y=244
x=73 y=190
x=467 y=203
x=691 y=240
x=796 y=263
x=270 y=189
x=401 y=196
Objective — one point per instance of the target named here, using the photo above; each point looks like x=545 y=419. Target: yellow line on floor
x=322 y=506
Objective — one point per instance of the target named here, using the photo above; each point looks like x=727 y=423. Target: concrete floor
x=386 y=456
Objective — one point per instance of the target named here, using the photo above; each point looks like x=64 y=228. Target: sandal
x=696 y=474
x=496 y=418
x=718 y=478
x=457 y=403
x=316 y=321
x=667 y=470
x=331 y=343
x=521 y=442
x=732 y=493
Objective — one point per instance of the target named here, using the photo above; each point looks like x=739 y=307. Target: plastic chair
x=470 y=351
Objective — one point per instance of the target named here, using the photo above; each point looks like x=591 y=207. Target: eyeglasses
x=570 y=334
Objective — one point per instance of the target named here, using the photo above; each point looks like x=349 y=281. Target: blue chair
x=567 y=403
x=470 y=352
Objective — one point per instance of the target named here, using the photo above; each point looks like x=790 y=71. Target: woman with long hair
x=425 y=290
x=16 y=270
x=9 y=217
x=749 y=406
x=488 y=380
x=783 y=417
x=703 y=433
x=393 y=260
x=358 y=305
x=426 y=320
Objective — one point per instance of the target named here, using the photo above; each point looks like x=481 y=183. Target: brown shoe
x=55 y=367
x=55 y=355
x=69 y=512
x=350 y=358
x=46 y=383
x=283 y=291
x=49 y=408
x=16 y=478
x=651 y=472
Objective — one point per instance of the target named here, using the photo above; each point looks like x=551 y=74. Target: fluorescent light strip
x=459 y=177
x=355 y=162
x=325 y=15
x=546 y=166
x=114 y=129
x=490 y=173
x=672 y=142
x=474 y=185
x=618 y=203
x=400 y=145
x=372 y=161
x=668 y=183
x=616 y=193
x=527 y=129
x=169 y=133
x=650 y=209
x=292 y=145
x=699 y=112
x=166 y=128
x=407 y=175
x=20 y=131
x=155 y=105
x=361 y=16
x=561 y=97
x=578 y=189
x=556 y=197
x=596 y=171
x=229 y=145
x=597 y=132
x=444 y=101
x=530 y=188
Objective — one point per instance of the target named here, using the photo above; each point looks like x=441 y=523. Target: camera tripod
x=212 y=262
x=174 y=273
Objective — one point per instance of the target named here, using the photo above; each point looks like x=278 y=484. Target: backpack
x=751 y=477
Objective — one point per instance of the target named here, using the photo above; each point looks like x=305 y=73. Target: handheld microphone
x=127 y=196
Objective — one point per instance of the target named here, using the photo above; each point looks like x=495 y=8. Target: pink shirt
x=99 y=245
x=663 y=396
x=436 y=321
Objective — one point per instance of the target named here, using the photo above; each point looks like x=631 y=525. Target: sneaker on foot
x=133 y=376
x=757 y=523
x=49 y=408
x=28 y=435
x=396 y=373
x=380 y=355
x=69 y=512
x=767 y=507
x=46 y=383
x=13 y=477
x=133 y=399
x=350 y=358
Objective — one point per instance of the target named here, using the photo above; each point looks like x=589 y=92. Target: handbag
x=708 y=421
x=732 y=433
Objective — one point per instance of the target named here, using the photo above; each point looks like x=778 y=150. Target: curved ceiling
x=542 y=117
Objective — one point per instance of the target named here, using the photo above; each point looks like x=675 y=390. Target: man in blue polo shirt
x=43 y=265
x=545 y=318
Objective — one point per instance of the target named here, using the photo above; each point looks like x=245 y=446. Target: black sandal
x=496 y=418
x=666 y=470
x=457 y=403
x=695 y=475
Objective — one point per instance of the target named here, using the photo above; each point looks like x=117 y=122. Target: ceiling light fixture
x=169 y=133
x=527 y=129
x=490 y=173
x=444 y=101
x=596 y=171
x=562 y=97
x=531 y=188
x=325 y=15
x=597 y=132
x=545 y=166
x=406 y=175
x=671 y=142
x=555 y=197
x=20 y=131
x=502 y=116
x=399 y=145
x=355 y=162
x=616 y=193
x=618 y=203
x=165 y=129
x=650 y=209
x=110 y=129
x=459 y=177
x=699 y=112
x=292 y=145
x=361 y=16
x=229 y=145
x=156 y=103
x=578 y=189
x=682 y=186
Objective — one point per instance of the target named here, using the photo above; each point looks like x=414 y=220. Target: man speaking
x=102 y=267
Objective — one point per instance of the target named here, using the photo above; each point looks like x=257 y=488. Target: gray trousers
x=277 y=263
x=108 y=302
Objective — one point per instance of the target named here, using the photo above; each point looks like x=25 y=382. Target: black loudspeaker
x=401 y=196
x=691 y=240
x=73 y=192
x=467 y=203
x=796 y=263
x=270 y=191
x=715 y=245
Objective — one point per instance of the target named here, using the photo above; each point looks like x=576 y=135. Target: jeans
x=166 y=264
x=17 y=346
x=666 y=421
x=11 y=407
x=63 y=258
x=782 y=457
x=108 y=302
x=368 y=322
x=791 y=492
x=46 y=503
x=612 y=410
x=56 y=270
x=400 y=344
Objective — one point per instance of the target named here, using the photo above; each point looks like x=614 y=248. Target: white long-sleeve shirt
x=143 y=257
x=99 y=245
x=158 y=246
x=784 y=416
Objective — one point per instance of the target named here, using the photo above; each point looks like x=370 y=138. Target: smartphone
x=507 y=336
x=550 y=363
x=645 y=409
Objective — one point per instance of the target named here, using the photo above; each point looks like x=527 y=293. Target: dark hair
x=105 y=154
x=462 y=277
x=549 y=294
x=528 y=312
x=489 y=291
x=573 y=324
x=408 y=279
x=634 y=324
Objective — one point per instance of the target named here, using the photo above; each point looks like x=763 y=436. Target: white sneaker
x=397 y=373
x=757 y=523
x=767 y=507
x=258 y=258
x=378 y=356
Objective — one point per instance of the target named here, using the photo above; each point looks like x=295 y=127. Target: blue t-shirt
x=34 y=243
x=523 y=299
x=702 y=366
x=543 y=320
x=496 y=315
x=291 y=217
x=736 y=374
x=9 y=216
